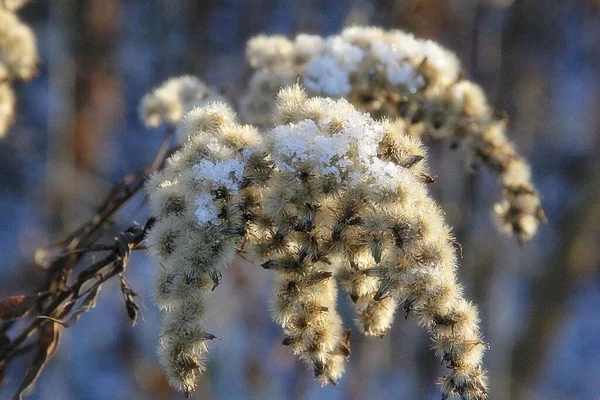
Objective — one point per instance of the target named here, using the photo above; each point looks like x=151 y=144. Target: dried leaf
x=16 y=306
x=88 y=303
x=47 y=346
x=130 y=305
x=132 y=310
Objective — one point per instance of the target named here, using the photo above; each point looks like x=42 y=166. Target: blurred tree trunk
x=98 y=93
x=82 y=74
x=60 y=120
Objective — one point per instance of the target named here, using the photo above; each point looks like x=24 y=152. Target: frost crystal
x=326 y=75
x=221 y=174
x=348 y=153
x=206 y=211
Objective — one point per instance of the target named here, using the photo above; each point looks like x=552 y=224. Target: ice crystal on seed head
x=326 y=75
x=347 y=55
x=206 y=211
x=221 y=174
x=343 y=144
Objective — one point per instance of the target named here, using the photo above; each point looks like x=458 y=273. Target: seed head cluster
x=392 y=74
x=18 y=58
x=198 y=201
x=175 y=97
x=327 y=199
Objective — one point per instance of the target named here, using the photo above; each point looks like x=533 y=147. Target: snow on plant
x=327 y=195
x=395 y=75
x=197 y=200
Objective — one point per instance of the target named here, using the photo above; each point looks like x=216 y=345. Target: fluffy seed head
x=170 y=101
x=395 y=75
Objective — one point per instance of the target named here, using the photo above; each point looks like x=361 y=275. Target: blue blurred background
x=78 y=132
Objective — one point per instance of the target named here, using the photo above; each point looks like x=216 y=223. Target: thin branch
x=57 y=297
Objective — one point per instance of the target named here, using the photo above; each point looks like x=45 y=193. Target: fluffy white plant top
x=394 y=75
x=263 y=50
x=195 y=202
x=227 y=174
x=170 y=101
x=18 y=46
x=349 y=154
x=348 y=55
x=327 y=64
x=18 y=58
x=7 y=107
x=328 y=194
x=308 y=45
x=326 y=75
x=398 y=69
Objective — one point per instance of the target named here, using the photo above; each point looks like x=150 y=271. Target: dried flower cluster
x=175 y=97
x=395 y=75
x=18 y=58
x=196 y=200
x=326 y=197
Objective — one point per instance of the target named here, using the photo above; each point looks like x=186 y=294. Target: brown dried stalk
x=61 y=301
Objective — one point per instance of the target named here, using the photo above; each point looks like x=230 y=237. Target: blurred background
x=78 y=132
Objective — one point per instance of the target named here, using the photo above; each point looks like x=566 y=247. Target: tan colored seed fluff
x=198 y=202
x=392 y=74
x=18 y=58
x=328 y=198
x=175 y=97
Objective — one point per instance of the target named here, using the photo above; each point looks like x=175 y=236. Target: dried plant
x=328 y=193
x=194 y=236
x=325 y=196
x=63 y=297
x=169 y=102
x=392 y=74
x=18 y=58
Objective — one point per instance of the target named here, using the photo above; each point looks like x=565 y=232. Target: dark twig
x=50 y=310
